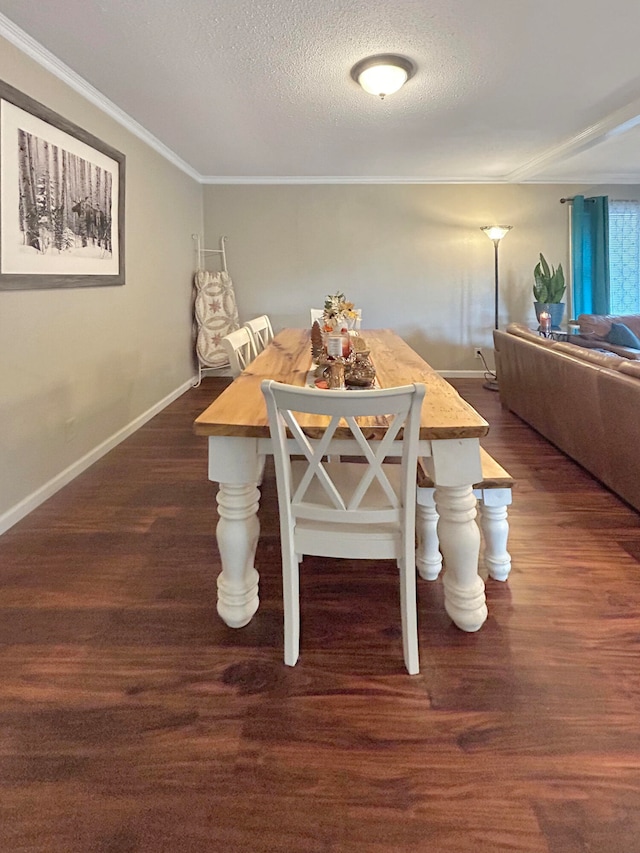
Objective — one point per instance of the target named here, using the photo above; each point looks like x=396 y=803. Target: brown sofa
x=594 y=329
x=586 y=400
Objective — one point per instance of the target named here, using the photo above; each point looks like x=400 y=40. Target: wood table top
x=241 y=409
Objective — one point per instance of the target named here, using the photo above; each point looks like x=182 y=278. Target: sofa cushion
x=622 y=335
x=631 y=321
x=529 y=334
x=595 y=325
x=631 y=368
x=578 y=345
x=601 y=357
x=599 y=325
x=605 y=346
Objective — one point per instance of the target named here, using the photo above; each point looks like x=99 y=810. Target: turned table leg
x=459 y=536
x=237 y=533
x=235 y=464
x=454 y=466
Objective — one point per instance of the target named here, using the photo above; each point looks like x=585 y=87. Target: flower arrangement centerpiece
x=338 y=313
x=340 y=354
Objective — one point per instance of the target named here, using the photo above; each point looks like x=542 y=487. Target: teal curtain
x=590 y=255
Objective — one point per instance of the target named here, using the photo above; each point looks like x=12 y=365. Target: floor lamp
x=495 y=233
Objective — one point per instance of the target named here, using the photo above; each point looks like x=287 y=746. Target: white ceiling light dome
x=383 y=74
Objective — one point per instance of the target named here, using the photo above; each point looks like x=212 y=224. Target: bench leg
x=492 y=506
x=428 y=556
x=261 y=463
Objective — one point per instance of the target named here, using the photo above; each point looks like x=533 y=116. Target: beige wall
x=80 y=367
x=77 y=366
x=412 y=257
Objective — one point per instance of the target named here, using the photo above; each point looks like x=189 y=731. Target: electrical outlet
x=478 y=352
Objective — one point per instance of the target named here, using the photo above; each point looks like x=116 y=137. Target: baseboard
x=28 y=504
x=32 y=501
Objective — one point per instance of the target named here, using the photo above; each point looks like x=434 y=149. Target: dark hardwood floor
x=133 y=719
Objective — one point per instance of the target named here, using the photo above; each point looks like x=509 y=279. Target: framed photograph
x=61 y=200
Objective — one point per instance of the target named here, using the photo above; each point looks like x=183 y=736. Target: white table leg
x=234 y=463
x=459 y=536
x=237 y=534
x=454 y=465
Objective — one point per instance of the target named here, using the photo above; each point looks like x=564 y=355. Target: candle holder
x=353 y=370
x=544 y=320
x=336 y=374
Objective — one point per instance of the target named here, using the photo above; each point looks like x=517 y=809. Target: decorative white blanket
x=216 y=314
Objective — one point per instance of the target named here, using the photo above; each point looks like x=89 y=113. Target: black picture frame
x=62 y=200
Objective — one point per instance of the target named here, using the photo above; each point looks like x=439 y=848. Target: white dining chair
x=354 y=510
x=239 y=348
x=260 y=328
x=317 y=314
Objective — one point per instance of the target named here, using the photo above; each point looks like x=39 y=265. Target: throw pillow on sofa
x=622 y=336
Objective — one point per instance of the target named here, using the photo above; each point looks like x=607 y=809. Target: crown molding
x=53 y=65
x=601 y=179
x=532 y=172
x=343 y=179
x=614 y=124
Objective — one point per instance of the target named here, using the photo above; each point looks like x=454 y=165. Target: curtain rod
x=570 y=200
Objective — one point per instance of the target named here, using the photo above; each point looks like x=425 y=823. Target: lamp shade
x=496 y=232
x=384 y=74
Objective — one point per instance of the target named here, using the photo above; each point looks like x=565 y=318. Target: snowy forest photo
x=64 y=201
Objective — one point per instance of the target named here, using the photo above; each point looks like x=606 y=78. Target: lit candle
x=545 y=322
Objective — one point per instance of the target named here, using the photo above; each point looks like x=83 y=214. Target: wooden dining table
x=237 y=429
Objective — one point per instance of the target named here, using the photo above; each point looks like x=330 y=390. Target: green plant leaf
x=545 y=266
x=549 y=284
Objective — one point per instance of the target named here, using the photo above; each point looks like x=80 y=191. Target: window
x=624 y=257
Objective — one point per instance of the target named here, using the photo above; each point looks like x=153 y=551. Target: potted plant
x=548 y=290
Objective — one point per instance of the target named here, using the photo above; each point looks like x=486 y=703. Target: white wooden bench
x=493 y=494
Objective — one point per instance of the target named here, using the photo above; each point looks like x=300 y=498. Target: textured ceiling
x=249 y=90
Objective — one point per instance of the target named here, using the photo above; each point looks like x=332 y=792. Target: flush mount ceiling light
x=383 y=74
